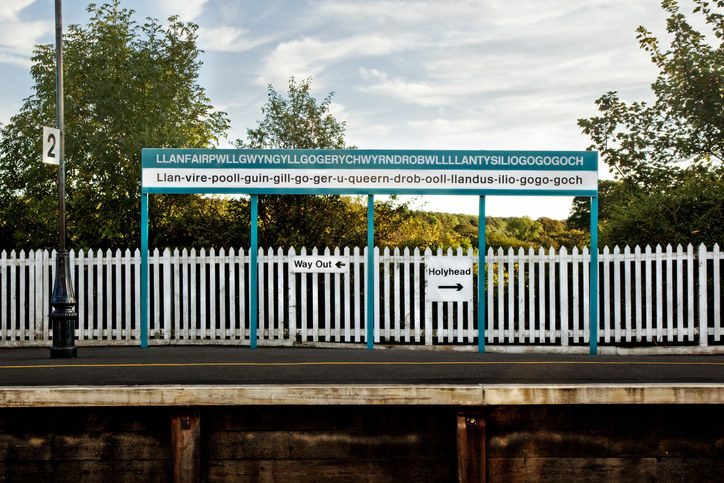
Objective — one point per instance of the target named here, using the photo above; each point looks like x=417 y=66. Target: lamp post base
x=63 y=318
x=63 y=335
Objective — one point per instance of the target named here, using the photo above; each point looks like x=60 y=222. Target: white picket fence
x=651 y=297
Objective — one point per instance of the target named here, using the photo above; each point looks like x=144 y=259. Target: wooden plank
x=406 y=314
x=4 y=274
x=552 y=295
x=401 y=469
x=327 y=303
x=203 y=299
x=303 y=296
x=669 y=294
x=703 y=313
x=315 y=301
x=690 y=313
x=471 y=454
x=605 y=290
x=397 y=294
x=186 y=447
x=280 y=293
x=490 y=296
x=386 y=309
x=604 y=469
x=428 y=310
x=184 y=295
x=680 y=293
x=627 y=294
x=177 y=295
x=210 y=323
x=575 y=300
x=221 y=295
x=659 y=263
x=126 y=321
x=357 y=294
x=193 y=297
x=586 y=269
x=531 y=297
x=13 y=296
x=292 y=291
x=417 y=290
x=617 y=289
x=346 y=296
x=648 y=260
x=638 y=264
x=563 y=271
x=716 y=293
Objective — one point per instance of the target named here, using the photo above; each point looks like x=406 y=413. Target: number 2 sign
x=51 y=145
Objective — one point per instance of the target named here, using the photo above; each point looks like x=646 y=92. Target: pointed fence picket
x=653 y=296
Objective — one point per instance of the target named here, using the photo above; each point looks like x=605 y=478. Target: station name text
x=330 y=160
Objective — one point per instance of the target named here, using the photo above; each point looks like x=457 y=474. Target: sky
x=458 y=74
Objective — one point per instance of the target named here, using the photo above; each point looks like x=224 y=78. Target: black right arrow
x=457 y=287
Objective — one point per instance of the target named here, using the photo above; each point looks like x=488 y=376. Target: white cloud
x=21 y=37
x=20 y=60
x=9 y=9
x=310 y=56
x=226 y=39
x=187 y=10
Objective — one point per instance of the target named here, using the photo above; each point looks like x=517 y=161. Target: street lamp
x=63 y=317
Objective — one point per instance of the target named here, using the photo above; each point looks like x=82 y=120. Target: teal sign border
x=330 y=160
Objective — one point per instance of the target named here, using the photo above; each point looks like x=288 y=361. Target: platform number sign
x=51 y=145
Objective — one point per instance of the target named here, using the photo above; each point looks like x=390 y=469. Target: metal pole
x=253 y=273
x=63 y=318
x=144 y=271
x=593 y=281
x=371 y=272
x=481 y=276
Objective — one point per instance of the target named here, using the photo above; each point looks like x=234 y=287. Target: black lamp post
x=63 y=317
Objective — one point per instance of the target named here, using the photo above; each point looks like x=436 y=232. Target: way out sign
x=449 y=279
x=318 y=264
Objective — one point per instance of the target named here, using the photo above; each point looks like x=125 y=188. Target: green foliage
x=611 y=196
x=660 y=152
x=127 y=86
x=298 y=121
x=692 y=211
x=295 y=122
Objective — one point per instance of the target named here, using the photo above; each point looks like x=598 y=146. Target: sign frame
x=182 y=170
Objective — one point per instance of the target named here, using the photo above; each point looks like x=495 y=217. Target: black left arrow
x=457 y=287
x=339 y=264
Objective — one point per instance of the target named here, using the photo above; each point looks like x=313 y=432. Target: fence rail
x=647 y=297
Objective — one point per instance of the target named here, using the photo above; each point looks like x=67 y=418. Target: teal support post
x=144 y=271
x=593 y=281
x=370 y=272
x=481 y=276
x=253 y=272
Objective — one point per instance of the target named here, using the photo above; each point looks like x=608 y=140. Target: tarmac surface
x=203 y=365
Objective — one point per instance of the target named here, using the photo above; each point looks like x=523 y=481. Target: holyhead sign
x=371 y=172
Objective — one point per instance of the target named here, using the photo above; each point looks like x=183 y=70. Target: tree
x=611 y=195
x=659 y=151
x=127 y=86
x=298 y=121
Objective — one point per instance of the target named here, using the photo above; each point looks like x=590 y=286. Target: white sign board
x=318 y=264
x=449 y=279
x=51 y=145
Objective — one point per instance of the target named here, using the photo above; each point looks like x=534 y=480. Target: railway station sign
x=351 y=171
x=448 y=279
x=371 y=172
x=318 y=264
